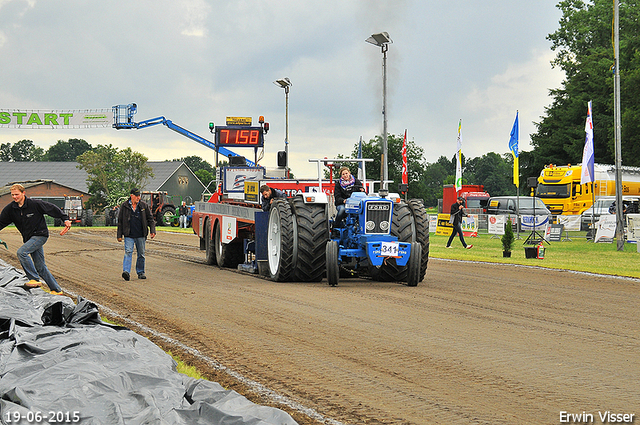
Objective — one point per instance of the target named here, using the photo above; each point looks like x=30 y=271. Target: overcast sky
x=196 y=61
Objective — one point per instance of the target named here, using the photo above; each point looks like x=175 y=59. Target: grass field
x=577 y=254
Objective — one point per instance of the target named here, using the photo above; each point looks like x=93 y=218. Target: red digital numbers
x=240 y=137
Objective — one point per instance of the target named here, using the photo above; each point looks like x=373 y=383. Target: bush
x=508 y=238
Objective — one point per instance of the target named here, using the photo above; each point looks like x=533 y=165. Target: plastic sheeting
x=60 y=363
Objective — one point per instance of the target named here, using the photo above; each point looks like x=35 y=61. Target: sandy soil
x=472 y=344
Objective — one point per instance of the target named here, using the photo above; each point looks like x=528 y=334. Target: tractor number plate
x=389 y=249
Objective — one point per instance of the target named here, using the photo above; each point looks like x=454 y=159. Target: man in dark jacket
x=28 y=216
x=457 y=212
x=268 y=195
x=134 y=221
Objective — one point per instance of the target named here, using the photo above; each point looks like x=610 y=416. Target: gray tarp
x=59 y=357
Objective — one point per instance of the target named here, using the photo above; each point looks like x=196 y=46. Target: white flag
x=459 y=159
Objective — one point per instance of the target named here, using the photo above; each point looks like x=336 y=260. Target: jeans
x=36 y=269
x=340 y=216
x=184 y=220
x=457 y=228
x=139 y=244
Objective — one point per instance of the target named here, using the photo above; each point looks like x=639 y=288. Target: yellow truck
x=560 y=189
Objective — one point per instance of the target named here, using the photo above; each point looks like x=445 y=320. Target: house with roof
x=56 y=179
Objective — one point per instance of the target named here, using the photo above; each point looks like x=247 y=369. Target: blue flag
x=513 y=147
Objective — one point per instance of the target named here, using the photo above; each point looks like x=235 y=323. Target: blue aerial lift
x=123 y=119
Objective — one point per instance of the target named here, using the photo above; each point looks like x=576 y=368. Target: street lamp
x=382 y=40
x=285 y=83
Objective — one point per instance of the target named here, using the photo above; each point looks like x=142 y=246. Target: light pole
x=382 y=40
x=285 y=83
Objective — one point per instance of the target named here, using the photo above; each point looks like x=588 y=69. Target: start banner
x=54 y=119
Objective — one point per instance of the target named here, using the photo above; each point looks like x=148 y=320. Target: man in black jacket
x=28 y=216
x=268 y=195
x=134 y=221
x=457 y=212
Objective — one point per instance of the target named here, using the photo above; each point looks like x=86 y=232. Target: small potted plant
x=507 y=239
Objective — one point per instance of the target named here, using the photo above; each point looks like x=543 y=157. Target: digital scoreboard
x=238 y=136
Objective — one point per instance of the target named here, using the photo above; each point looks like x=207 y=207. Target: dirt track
x=472 y=344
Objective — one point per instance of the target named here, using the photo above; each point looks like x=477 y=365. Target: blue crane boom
x=123 y=119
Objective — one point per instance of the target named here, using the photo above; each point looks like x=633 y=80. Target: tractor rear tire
x=401 y=227
x=87 y=216
x=210 y=252
x=312 y=234
x=227 y=254
x=333 y=267
x=168 y=216
x=280 y=241
x=421 y=232
x=414 y=265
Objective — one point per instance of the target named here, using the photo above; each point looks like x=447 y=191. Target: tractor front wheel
x=414 y=265
x=333 y=267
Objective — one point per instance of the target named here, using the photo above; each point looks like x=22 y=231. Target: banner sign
x=527 y=222
x=469 y=225
x=496 y=223
x=606 y=228
x=571 y=222
x=633 y=227
x=555 y=233
x=52 y=119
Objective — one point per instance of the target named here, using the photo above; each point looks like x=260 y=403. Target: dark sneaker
x=125 y=275
x=141 y=276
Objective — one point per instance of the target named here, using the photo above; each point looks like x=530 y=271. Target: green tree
x=415 y=163
x=112 y=173
x=493 y=171
x=196 y=163
x=22 y=151
x=584 y=52
x=5 y=152
x=66 y=151
x=205 y=177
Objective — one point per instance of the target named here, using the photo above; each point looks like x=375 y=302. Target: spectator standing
x=135 y=223
x=184 y=215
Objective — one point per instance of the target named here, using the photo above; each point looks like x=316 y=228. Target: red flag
x=405 y=177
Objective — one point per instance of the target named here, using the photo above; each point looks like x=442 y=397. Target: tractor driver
x=344 y=187
x=268 y=195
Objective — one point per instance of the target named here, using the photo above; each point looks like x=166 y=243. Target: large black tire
x=413 y=266
x=333 y=267
x=168 y=216
x=420 y=232
x=87 y=216
x=402 y=228
x=227 y=254
x=312 y=234
x=210 y=252
x=280 y=241
x=57 y=222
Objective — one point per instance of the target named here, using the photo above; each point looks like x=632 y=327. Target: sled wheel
x=280 y=241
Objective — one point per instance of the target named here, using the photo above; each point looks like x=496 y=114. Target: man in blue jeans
x=134 y=221
x=28 y=216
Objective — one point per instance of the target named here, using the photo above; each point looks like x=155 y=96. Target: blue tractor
x=386 y=240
